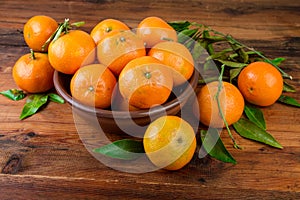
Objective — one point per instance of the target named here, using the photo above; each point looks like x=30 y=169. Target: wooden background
x=43 y=157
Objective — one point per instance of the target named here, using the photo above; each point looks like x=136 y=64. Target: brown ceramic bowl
x=126 y=121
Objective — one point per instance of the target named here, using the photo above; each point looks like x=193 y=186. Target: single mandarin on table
x=33 y=73
x=37 y=30
x=170 y=142
x=260 y=83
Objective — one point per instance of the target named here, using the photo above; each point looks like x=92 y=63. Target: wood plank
x=44 y=157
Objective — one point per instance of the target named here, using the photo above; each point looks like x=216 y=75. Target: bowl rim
x=125 y=114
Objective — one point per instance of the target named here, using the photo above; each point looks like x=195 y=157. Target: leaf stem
x=220 y=108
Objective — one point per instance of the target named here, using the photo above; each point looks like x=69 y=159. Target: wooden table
x=42 y=157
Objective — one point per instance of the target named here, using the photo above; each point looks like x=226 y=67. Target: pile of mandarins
x=114 y=66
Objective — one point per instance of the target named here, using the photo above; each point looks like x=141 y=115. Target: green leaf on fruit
x=250 y=130
x=126 y=149
x=213 y=145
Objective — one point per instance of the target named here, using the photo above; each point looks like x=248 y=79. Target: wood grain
x=43 y=157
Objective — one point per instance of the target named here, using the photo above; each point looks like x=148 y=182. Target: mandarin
x=169 y=142
x=154 y=30
x=37 y=30
x=145 y=82
x=177 y=56
x=93 y=85
x=118 y=48
x=106 y=26
x=33 y=73
x=71 y=51
x=231 y=103
x=260 y=83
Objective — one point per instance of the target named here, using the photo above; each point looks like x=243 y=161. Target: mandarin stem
x=220 y=108
x=32 y=56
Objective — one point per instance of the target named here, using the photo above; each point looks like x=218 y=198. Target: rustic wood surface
x=42 y=157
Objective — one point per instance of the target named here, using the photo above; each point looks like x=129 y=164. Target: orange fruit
x=37 y=30
x=33 y=73
x=118 y=48
x=177 y=56
x=106 y=26
x=260 y=83
x=154 y=30
x=169 y=142
x=71 y=51
x=93 y=85
x=231 y=101
x=145 y=82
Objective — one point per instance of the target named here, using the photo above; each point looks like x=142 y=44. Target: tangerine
x=33 y=73
x=71 y=51
x=231 y=103
x=154 y=30
x=260 y=83
x=177 y=56
x=118 y=48
x=106 y=26
x=37 y=30
x=145 y=82
x=93 y=85
x=169 y=142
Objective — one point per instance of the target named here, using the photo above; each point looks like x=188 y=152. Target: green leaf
x=249 y=53
x=213 y=145
x=78 y=24
x=180 y=25
x=197 y=51
x=33 y=104
x=287 y=87
x=125 y=149
x=234 y=73
x=185 y=35
x=277 y=61
x=14 y=94
x=232 y=64
x=242 y=55
x=249 y=130
x=289 y=101
x=56 y=98
x=220 y=54
x=255 y=115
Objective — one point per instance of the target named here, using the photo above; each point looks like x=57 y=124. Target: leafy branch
x=215 y=50
x=63 y=28
x=234 y=55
